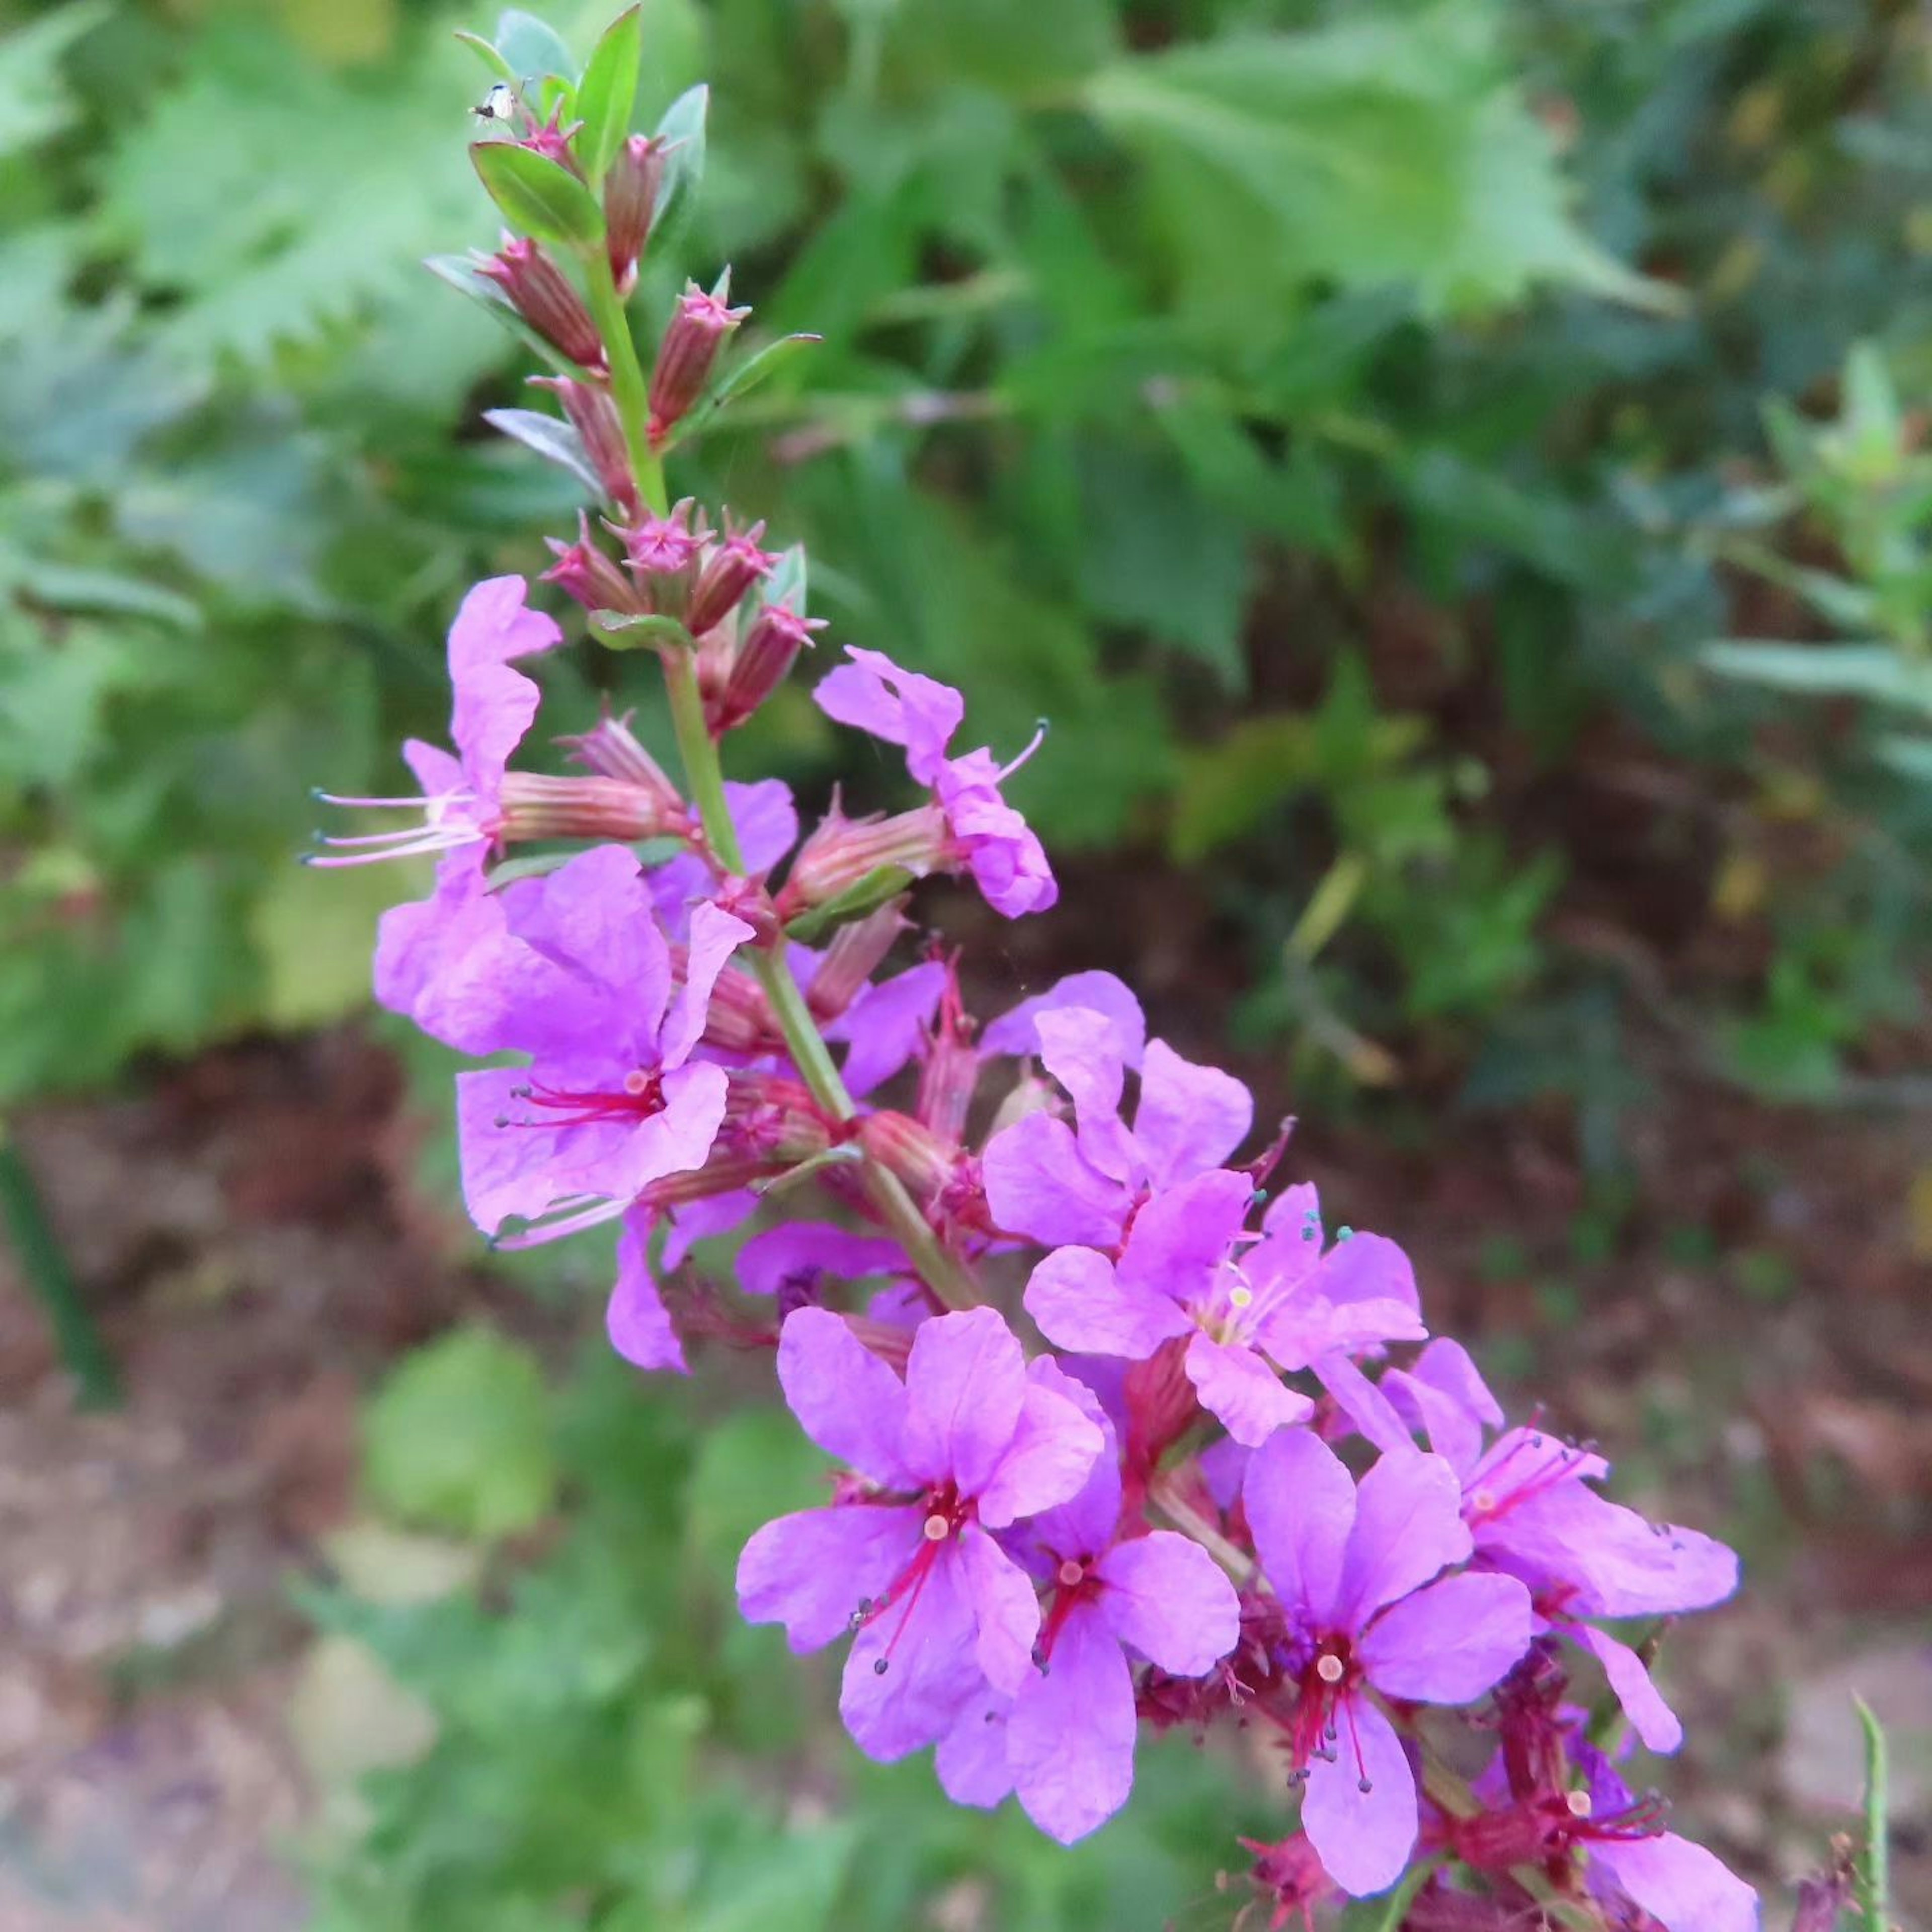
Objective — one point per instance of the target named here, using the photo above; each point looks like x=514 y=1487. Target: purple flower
x=766 y=822
x=983 y=833
x=1081 y=1184
x=1532 y=1515
x=791 y=1261
x=1065 y=1740
x=887 y=1025
x=1633 y=1863
x=1354 y=1570
x=1248 y=1308
x=611 y=1100
x=462 y=796
x=968 y=1444
x=1017 y=1032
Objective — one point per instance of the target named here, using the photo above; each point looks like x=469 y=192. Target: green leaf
x=552 y=439
x=683 y=124
x=605 y=94
x=67 y=587
x=1863 y=670
x=1911 y=757
x=531 y=48
x=489 y=56
x=458 y=1438
x=38 y=104
x=867 y=895
x=624 y=632
x=738 y=381
x=538 y=196
x=1874 y=1868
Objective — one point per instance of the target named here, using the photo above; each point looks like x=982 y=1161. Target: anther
x=937 y=1528
x=1577 y=1803
x=1364 y=1784
x=1345 y=1234
x=1329 y=1668
x=879 y=1667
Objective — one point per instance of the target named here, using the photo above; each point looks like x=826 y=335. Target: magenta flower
x=612 y=1100
x=461 y=801
x=976 y=828
x=1064 y=1741
x=1532 y=1515
x=1249 y=1308
x=1017 y=1031
x=792 y=1262
x=1081 y=1184
x=1355 y=1570
x=968 y=1444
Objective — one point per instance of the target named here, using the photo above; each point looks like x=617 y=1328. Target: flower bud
x=541 y=295
x=764 y=660
x=691 y=340
x=585 y=573
x=663 y=553
x=610 y=747
x=844 y=853
x=852 y=957
x=630 y=191
x=594 y=416
x=728 y=571
x=925 y=1162
x=536 y=805
x=950 y=1075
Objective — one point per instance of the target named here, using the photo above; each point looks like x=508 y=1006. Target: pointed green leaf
x=541 y=197
x=489 y=56
x=623 y=632
x=533 y=47
x=605 y=94
x=738 y=380
x=1874 y=1876
x=1866 y=669
x=683 y=125
x=552 y=439
x=867 y=895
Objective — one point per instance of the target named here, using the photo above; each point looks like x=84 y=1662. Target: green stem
x=941 y=1270
x=44 y=1263
x=628 y=390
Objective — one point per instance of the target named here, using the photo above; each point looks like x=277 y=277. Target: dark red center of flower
x=1533 y=1465
x=637 y=1097
x=1324 y=1724
x=946 y=1513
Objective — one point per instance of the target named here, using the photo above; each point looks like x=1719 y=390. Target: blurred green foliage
x=596 y=1740
x=1342 y=422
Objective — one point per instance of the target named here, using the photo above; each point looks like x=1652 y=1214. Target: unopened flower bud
x=919 y=1158
x=630 y=191
x=691 y=340
x=950 y=1075
x=587 y=574
x=853 y=955
x=663 y=554
x=764 y=660
x=594 y=416
x=611 y=747
x=731 y=570
x=541 y=295
x=536 y=805
x=844 y=854
x=552 y=139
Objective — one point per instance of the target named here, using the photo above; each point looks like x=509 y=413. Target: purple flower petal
x=1180 y=1238
x=765 y=820
x=971 y=1759
x=809 y=1571
x=715 y=936
x=1681 y=1885
x=965 y=1382
x=1447 y=1642
x=1359 y=1809
x=1169 y=1599
x=1300 y=1506
x=1037 y=1185
x=801 y=1251
x=636 y=1319
x=883 y=1026
x=1371 y=1267
x=1051 y=1454
x=845 y=1399
x=1083 y=1526
x=1190 y=1117
x=494 y=626
x=1618 y=1564
x=1079 y=1048
x=1081 y=1304
x=1070 y=1736
x=1630 y=1681
x=872 y=693
x=593 y=917
x=1443 y=1396
x=694 y=1221
x=926 y=1643
x=1237 y=1385
x=1374 y=1415
x=1018 y=1032
x=1409 y=1528
x=1006 y=1612
x=1001 y=850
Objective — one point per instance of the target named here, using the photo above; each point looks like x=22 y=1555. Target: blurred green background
x=1453 y=478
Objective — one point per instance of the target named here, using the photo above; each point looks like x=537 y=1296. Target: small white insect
x=499 y=105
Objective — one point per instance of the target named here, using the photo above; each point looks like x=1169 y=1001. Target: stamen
x=937 y=1528
x=1330 y=1669
x=1038 y=740
x=1069 y=1572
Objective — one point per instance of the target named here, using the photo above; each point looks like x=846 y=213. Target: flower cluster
x=1124 y=1436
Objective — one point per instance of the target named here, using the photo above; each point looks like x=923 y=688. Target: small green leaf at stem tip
x=623 y=632
x=738 y=381
x=533 y=47
x=553 y=439
x=870 y=892
x=488 y=55
x=539 y=196
x=607 y=92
